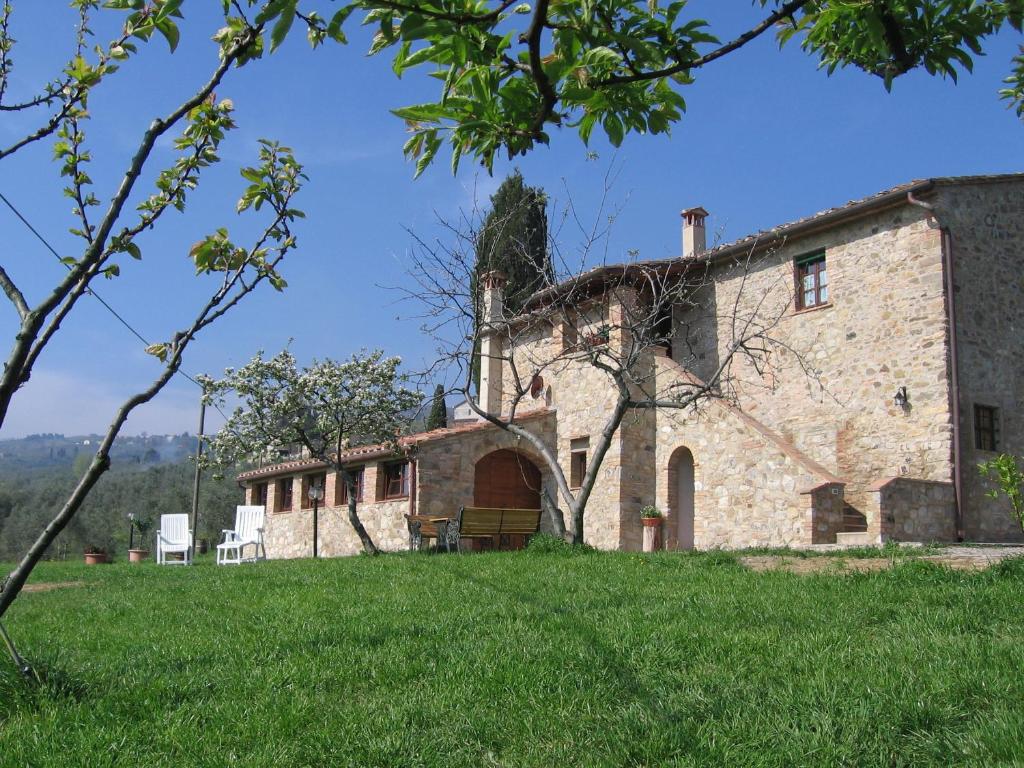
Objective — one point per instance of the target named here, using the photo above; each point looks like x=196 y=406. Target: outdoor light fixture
x=900 y=399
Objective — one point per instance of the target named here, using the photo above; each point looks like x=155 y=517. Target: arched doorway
x=680 y=497
x=506 y=478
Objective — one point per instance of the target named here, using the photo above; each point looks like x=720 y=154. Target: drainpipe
x=412 y=486
x=947 y=268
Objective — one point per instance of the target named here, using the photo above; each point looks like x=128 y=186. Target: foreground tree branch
x=622 y=67
x=275 y=182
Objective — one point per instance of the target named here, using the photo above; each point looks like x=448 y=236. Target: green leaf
x=420 y=113
x=334 y=30
x=283 y=24
x=170 y=31
x=158 y=351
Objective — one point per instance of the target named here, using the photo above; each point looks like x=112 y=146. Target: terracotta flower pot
x=137 y=555
x=652 y=533
x=96 y=558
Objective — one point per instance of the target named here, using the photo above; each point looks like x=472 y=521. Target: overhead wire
x=93 y=293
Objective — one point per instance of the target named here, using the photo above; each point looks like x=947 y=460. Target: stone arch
x=681 y=499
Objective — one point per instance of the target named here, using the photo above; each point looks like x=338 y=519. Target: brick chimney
x=492 y=310
x=694 y=238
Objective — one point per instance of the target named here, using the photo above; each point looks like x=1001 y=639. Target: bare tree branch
x=616 y=319
x=14 y=294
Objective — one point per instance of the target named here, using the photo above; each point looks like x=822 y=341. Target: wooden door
x=506 y=479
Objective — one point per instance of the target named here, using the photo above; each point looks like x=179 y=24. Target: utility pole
x=199 y=472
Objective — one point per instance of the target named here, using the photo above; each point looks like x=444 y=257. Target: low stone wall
x=290 y=534
x=750 y=487
x=908 y=509
x=826 y=513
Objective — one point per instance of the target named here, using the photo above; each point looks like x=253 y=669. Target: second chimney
x=694 y=238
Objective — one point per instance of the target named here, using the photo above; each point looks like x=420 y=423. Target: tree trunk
x=578 y=510
x=353 y=516
x=554 y=513
x=16 y=579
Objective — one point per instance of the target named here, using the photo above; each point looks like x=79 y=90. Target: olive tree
x=326 y=409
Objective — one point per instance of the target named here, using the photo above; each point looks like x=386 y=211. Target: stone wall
x=445 y=468
x=750 y=487
x=290 y=534
x=442 y=482
x=775 y=464
x=883 y=328
x=987 y=226
x=903 y=509
x=583 y=397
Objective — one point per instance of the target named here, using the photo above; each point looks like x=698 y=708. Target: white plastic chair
x=174 y=537
x=248 y=530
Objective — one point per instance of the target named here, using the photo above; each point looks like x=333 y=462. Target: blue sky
x=767 y=138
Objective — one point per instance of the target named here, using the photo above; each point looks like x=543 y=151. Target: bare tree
x=616 y=319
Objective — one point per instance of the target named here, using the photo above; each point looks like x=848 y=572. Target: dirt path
x=960 y=558
x=47 y=586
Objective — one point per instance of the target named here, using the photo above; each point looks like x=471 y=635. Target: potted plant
x=95 y=555
x=652 y=518
x=142 y=526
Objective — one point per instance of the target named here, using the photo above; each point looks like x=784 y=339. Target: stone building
x=901 y=367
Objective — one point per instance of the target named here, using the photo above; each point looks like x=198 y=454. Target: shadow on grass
x=52 y=683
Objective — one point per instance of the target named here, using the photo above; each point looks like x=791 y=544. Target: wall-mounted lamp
x=900 y=399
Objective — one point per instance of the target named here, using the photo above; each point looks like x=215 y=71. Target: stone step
x=855 y=539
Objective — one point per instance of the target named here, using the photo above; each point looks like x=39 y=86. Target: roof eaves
x=759 y=240
x=369 y=452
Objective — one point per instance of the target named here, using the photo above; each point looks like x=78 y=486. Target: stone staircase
x=854 y=539
x=803 y=495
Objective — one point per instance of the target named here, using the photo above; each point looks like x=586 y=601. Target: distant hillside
x=55 y=450
x=29 y=499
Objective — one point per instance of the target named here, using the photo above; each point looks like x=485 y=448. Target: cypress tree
x=514 y=240
x=438 y=416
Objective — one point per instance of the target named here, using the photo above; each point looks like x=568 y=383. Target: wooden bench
x=487 y=523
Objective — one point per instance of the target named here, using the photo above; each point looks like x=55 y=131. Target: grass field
x=518 y=660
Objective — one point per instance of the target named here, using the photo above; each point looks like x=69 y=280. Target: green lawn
x=518 y=660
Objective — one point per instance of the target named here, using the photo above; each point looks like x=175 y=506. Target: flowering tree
x=325 y=408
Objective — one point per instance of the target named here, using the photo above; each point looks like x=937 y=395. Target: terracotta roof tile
x=364 y=452
x=764 y=238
